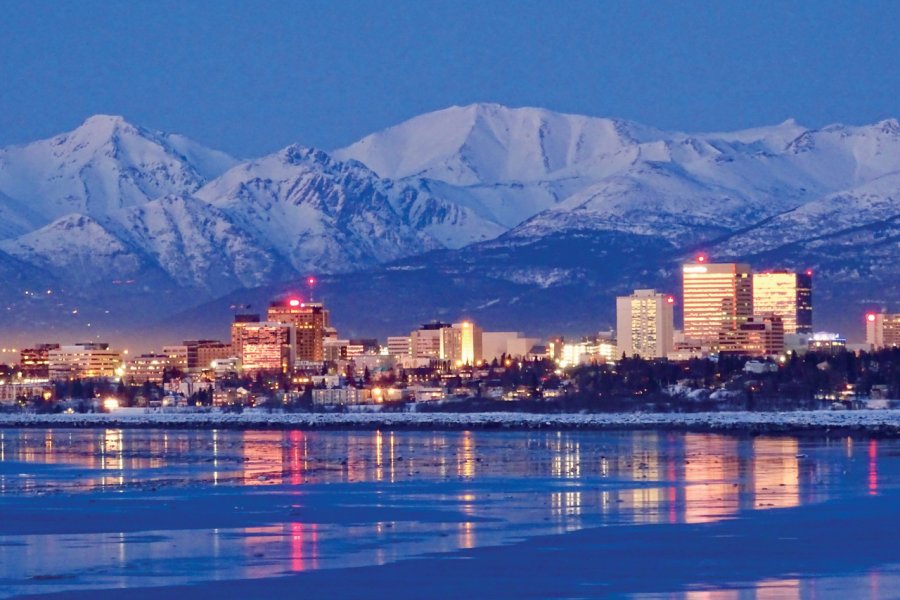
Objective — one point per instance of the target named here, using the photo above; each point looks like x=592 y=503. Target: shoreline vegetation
x=881 y=423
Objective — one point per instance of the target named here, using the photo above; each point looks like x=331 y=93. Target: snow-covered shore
x=876 y=422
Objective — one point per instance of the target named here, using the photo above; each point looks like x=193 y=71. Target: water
x=483 y=514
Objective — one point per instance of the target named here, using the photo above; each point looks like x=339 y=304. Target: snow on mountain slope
x=490 y=143
x=508 y=165
x=79 y=251
x=870 y=203
x=15 y=218
x=199 y=246
x=651 y=199
x=102 y=166
x=501 y=164
x=436 y=210
x=320 y=214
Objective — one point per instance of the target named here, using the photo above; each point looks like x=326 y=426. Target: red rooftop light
x=701 y=258
x=809 y=272
x=294 y=302
x=311 y=281
x=670 y=300
x=870 y=317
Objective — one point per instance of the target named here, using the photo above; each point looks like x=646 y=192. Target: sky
x=252 y=77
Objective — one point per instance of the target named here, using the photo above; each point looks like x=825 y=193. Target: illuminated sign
x=694 y=269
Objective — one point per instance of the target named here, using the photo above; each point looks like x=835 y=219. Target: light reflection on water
x=495 y=487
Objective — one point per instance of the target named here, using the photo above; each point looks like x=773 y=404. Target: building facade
x=399 y=345
x=425 y=342
x=266 y=347
x=35 y=362
x=645 y=324
x=146 y=367
x=717 y=298
x=786 y=294
x=762 y=335
x=201 y=353
x=177 y=356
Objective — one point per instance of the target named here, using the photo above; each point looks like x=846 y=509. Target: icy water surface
x=435 y=514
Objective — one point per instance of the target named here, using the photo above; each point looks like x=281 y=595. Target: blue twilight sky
x=251 y=77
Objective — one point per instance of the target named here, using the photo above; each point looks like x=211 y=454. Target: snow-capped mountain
x=103 y=166
x=318 y=213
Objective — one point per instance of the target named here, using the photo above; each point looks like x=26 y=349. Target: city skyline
x=452 y=298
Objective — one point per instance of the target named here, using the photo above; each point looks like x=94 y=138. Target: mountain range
x=517 y=217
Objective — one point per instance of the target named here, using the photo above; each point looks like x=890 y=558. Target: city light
x=870 y=317
x=294 y=302
x=670 y=300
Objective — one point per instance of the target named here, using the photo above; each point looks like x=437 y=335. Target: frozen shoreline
x=872 y=422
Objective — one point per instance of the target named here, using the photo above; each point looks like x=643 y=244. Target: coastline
x=881 y=423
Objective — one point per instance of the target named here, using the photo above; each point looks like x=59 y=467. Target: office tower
x=266 y=347
x=786 y=294
x=461 y=343
x=645 y=324
x=883 y=330
x=310 y=321
x=717 y=299
x=240 y=321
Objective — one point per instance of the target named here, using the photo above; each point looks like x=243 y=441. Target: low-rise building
x=90 y=360
x=146 y=367
x=344 y=395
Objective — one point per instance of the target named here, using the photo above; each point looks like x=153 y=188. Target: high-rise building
x=89 y=360
x=35 y=362
x=266 y=347
x=310 y=321
x=645 y=324
x=786 y=294
x=717 y=299
x=883 y=330
x=240 y=321
x=461 y=343
x=425 y=342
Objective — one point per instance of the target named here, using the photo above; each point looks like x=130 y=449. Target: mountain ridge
x=481 y=193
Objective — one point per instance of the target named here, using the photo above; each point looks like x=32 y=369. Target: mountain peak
x=104 y=126
x=889 y=126
x=100 y=119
